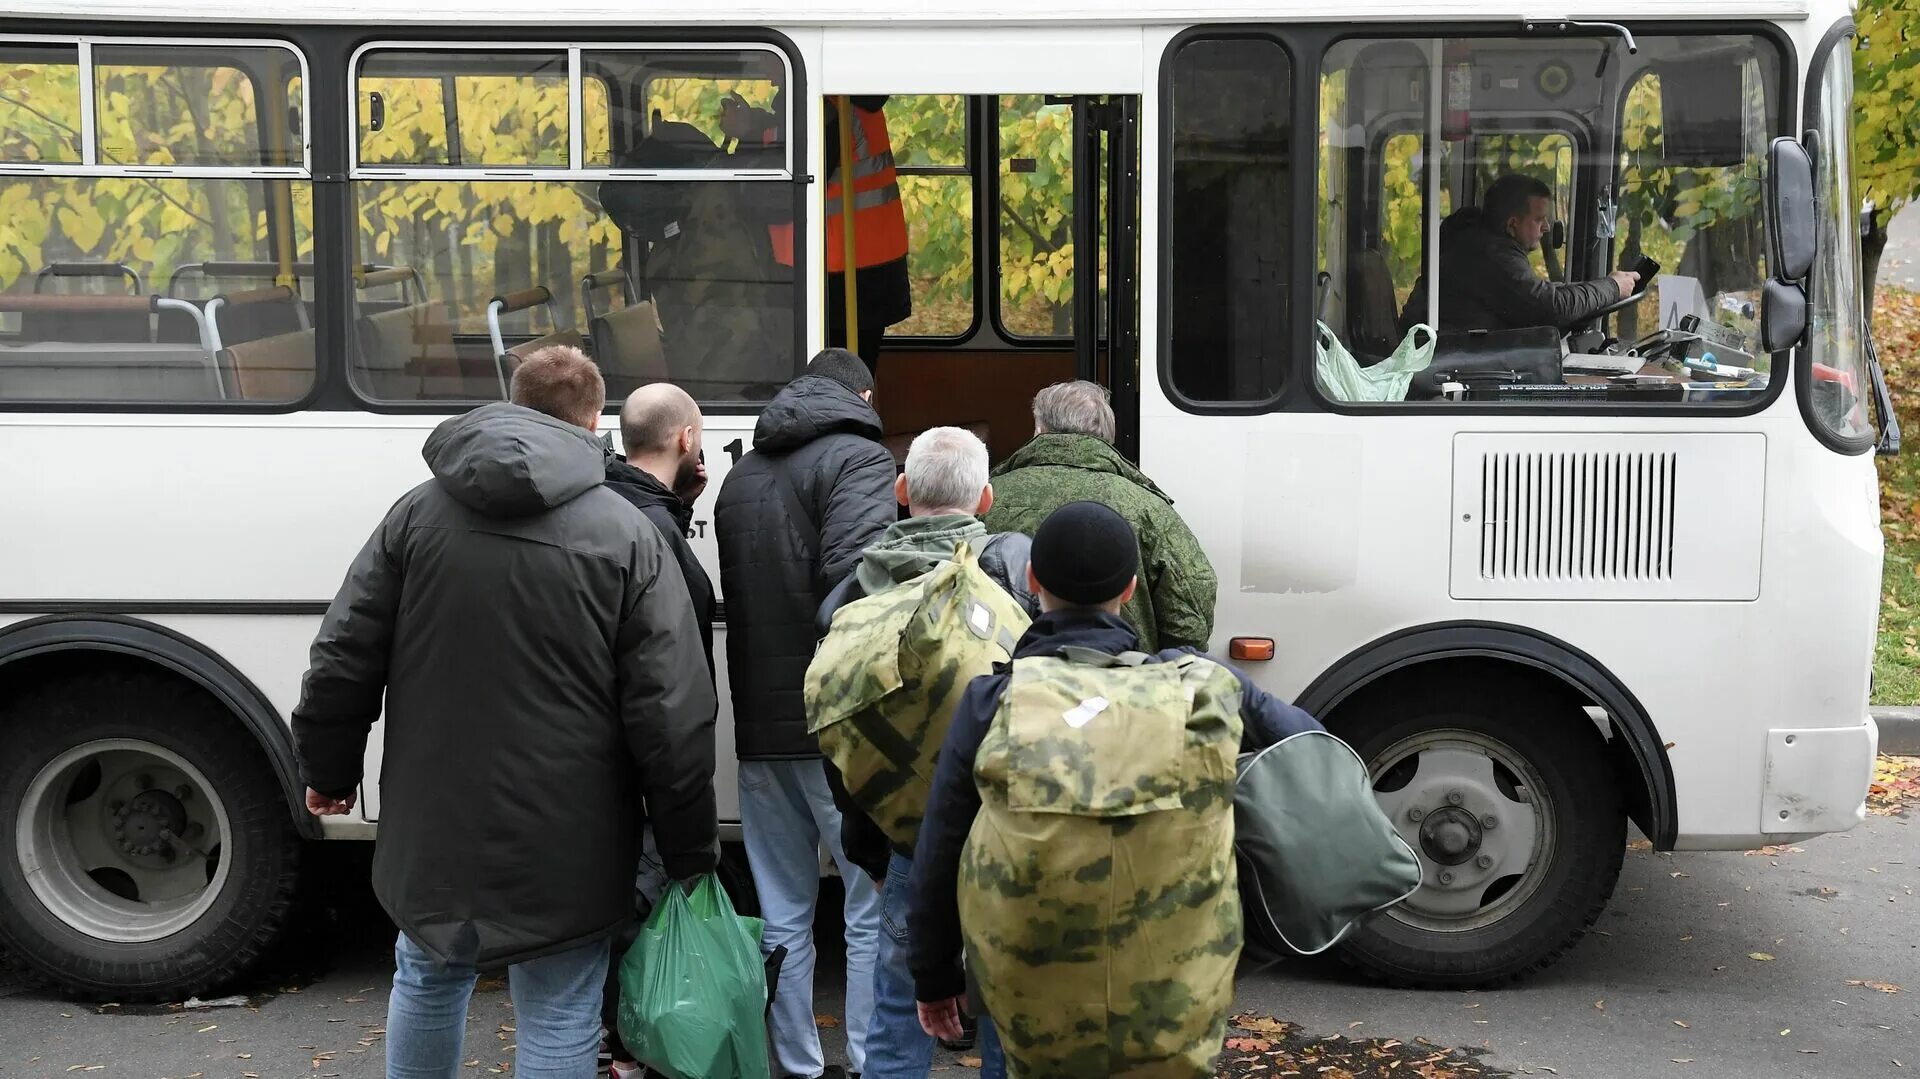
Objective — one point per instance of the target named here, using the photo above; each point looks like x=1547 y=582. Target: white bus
x=1567 y=577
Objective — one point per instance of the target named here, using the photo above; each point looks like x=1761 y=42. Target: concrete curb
x=1899 y=730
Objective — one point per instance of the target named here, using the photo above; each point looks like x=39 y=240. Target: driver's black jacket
x=1486 y=283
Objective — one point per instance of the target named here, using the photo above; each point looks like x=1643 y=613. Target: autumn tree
x=1886 y=134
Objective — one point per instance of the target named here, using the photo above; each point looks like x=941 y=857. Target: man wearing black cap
x=1083 y=789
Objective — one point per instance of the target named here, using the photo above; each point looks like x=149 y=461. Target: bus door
x=1002 y=194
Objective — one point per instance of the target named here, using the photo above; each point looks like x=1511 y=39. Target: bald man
x=660 y=428
x=663 y=474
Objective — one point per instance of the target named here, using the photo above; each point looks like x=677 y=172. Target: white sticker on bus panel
x=1300 y=532
x=1608 y=516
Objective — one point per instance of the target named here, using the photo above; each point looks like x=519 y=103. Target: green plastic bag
x=693 y=990
x=1343 y=379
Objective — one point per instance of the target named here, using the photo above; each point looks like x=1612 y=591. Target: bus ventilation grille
x=1578 y=516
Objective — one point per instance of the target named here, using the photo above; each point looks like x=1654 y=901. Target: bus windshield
x=1530 y=176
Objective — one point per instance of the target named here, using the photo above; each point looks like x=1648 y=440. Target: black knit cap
x=1085 y=553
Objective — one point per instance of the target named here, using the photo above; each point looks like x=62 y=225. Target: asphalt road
x=1673 y=949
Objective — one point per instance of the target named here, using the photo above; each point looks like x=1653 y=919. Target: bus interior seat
x=508 y=357
x=277 y=368
x=258 y=314
x=117 y=326
x=1373 y=315
x=408 y=352
x=626 y=339
x=200 y=282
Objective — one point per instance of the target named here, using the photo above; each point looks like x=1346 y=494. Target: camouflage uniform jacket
x=908 y=549
x=934 y=920
x=1174 y=604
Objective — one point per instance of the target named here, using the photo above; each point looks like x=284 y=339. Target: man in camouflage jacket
x=1150 y=1020
x=1072 y=459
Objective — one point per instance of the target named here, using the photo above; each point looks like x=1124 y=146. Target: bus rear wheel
x=1520 y=831
x=150 y=853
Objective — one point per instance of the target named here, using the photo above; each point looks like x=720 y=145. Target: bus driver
x=1487 y=282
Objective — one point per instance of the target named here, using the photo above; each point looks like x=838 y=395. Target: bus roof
x=796 y=13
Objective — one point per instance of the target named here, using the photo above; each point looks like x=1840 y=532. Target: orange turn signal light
x=1250 y=649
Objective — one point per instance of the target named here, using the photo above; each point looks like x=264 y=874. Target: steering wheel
x=1661 y=342
x=1626 y=301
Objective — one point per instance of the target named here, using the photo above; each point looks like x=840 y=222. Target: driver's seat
x=1372 y=322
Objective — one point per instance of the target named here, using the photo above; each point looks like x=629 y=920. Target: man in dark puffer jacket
x=792 y=519
x=531 y=641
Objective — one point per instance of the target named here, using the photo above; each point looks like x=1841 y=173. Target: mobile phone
x=1647 y=269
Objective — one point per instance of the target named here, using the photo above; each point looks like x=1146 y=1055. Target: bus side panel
x=110 y=513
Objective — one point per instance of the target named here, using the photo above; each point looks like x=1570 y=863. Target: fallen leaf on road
x=1786 y=1032
x=1600 y=1004
x=1260 y=1024
x=1249 y=1045
x=249 y=1056
x=1676 y=1060
x=209 y=1026
x=825 y=1022
x=363 y=1000
x=969 y=1062
x=1878 y=987
x=1760 y=957
x=1681 y=1025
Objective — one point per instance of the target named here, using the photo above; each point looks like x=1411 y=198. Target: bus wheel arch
x=1468 y=654
x=1482 y=758
x=148 y=854
x=60 y=646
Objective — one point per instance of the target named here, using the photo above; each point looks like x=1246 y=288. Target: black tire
x=1588 y=839
x=261 y=855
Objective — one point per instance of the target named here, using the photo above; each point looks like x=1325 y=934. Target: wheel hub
x=1466 y=803
x=146 y=823
x=1450 y=836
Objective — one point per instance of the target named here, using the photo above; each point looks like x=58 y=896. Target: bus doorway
x=1002 y=194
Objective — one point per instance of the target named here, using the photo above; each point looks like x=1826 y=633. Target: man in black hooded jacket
x=792 y=519
x=531 y=639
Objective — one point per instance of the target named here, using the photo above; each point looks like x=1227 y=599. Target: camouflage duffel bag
x=883 y=684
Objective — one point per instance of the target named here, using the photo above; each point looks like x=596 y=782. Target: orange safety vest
x=879 y=221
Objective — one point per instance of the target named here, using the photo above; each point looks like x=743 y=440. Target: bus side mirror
x=1557 y=239
x=1791 y=231
x=1783 y=316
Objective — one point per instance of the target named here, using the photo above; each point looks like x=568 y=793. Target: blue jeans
x=897 y=1046
x=556 y=1006
x=785 y=810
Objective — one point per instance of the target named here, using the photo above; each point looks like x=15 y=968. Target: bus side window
x=95 y=303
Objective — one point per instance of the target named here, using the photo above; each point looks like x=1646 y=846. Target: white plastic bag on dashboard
x=1343 y=379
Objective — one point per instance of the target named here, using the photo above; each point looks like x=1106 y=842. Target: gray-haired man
x=945 y=489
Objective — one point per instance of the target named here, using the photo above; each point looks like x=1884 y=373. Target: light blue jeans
x=785 y=810
x=897 y=1046
x=556 y=1007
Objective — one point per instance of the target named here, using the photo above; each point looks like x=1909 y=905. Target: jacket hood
x=1077 y=627
x=503 y=460
x=809 y=408
x=912 y=547
x=1083 y=452
x=639 y=487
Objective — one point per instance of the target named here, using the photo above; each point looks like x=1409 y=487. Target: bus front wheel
x=1520 y=831
x=149 y=853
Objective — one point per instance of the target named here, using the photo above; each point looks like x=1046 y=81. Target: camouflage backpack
x=883 y=684
x=1098 y=892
